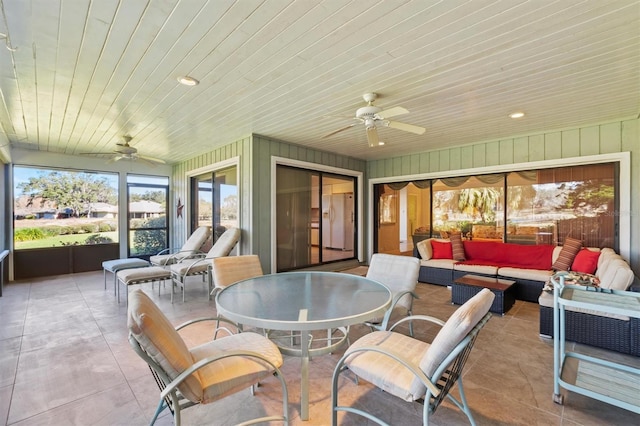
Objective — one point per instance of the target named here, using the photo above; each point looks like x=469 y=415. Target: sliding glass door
x=315 y=217
x=214 y=201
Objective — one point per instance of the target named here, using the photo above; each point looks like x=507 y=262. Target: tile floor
x=65 y=360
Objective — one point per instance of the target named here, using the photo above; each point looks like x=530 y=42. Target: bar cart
x=614 y=383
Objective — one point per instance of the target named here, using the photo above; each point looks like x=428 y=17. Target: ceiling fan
x=124 y=151
x=374 y=117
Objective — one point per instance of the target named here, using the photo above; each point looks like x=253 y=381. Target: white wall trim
x=275 y=161
x=623 y=158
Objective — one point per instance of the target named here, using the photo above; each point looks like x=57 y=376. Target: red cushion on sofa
x=508 y=254
x=586 y=261
x=441 y=250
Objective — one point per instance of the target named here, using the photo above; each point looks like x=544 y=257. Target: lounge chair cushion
x=224 y=244
x=138 y=275
x=229 y=375
x=196 y=240
x=162 y=342
x=454 y=330
x=193 y=266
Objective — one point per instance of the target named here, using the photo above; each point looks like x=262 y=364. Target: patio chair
x=400 y=275
x=192 y=245
x=412 y=369
x=205 y=373
x=200 y=264
x=231 y=269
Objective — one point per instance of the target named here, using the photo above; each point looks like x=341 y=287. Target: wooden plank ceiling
x=77 y=75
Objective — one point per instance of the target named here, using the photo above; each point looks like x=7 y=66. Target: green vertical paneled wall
x=619 y=136
x=255 y=154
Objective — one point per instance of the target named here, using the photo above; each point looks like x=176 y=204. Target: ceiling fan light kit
x=373 y=117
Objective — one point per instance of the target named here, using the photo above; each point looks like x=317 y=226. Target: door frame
x=359 y=190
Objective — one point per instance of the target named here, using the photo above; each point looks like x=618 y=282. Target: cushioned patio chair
x=231 y=269
x=200 y=263
x=412 y=369
x=205 y=373
x=192 y=245
x=400 y=275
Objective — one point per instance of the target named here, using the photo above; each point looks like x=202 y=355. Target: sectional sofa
x=528 y=265
x=531 y=267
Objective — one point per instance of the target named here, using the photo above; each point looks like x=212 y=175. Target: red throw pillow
x=441 y=250
x=586 y=261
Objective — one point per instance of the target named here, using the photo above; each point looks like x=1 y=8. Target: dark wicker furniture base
x=464 y=288
x=593 y=330
x=440 y=276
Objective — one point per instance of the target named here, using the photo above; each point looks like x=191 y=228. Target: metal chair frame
x=170 y=396
x=437 y=387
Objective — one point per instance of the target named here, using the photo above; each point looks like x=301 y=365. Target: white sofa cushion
x=525 y=274
x=478 y=269
x=616 y=274
x=438 y=263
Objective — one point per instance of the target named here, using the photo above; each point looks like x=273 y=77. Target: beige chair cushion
x=398 y=273
x=225 y=243
x=159 y=338
x=149 y=273
x=229 y=375
x=193 y=244
x=383 y=371
x=193 y=266
x=196 y=240
x=455 y=329
x=231 y=269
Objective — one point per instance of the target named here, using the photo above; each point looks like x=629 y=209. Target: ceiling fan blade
x=392 y=112
x=115 y=158
x=96 y=153
x=406 y=127
x=151 y=159
x=339 y=130
x=372 y=136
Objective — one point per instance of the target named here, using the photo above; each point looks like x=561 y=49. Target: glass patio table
x=303 y=302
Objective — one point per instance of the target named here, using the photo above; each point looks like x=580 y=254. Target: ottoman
x=141 y=275
x=114 y=266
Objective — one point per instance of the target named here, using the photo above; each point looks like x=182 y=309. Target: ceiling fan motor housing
x=367 y=112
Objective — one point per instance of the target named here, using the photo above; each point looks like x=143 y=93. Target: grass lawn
x=59 y=240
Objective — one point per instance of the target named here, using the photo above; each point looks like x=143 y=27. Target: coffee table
x=467 y=286
x=303 y=302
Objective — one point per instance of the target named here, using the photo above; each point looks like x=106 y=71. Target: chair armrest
x=198 y=320
x=204 y=362
x=197 y=254
x=418 y=318
x=394 y=302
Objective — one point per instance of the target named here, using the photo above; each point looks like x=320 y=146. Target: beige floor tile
x=65 y=359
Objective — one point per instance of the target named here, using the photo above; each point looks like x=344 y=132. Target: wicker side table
x=467 y=286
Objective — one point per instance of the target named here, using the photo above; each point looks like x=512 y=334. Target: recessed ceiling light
x=188 y=81
x=380 y=143
x=517 y=115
